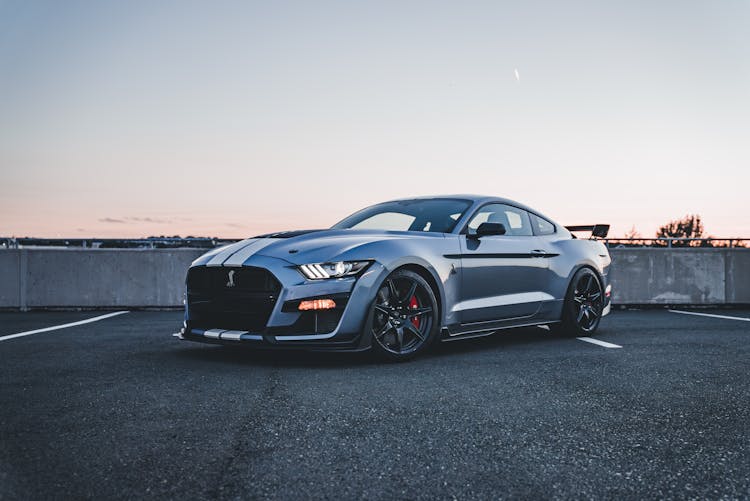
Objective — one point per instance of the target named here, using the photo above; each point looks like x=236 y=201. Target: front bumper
x=286 y=327
x=266 y=342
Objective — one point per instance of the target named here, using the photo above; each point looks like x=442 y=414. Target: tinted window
x=515 y=220
x=432 y=214
x=542 y=226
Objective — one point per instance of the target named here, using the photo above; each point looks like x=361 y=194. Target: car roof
x=477 y=200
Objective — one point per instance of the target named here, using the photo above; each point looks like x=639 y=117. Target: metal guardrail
x=210 y=243
x=117 y=243
x=669 y=243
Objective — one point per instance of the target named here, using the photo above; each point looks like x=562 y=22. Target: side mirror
x=487 y=229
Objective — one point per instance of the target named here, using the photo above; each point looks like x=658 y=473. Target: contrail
x=518 y=76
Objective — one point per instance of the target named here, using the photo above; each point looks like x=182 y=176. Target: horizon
x=234 y=120
x=233 y=235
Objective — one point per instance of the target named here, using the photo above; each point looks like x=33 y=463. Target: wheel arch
x=571 y=276
x=565 y=305
x=581 y=266
x=431 y=281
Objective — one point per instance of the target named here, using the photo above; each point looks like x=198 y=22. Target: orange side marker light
x=317 y=304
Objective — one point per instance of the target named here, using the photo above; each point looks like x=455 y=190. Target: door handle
x=538 y=253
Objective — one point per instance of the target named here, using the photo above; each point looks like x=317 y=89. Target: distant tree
x=632 y=233
x=690 y=226
x=634 y=237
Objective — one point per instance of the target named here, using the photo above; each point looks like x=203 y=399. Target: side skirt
x=446 y=335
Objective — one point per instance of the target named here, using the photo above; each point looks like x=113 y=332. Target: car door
x=502 y=275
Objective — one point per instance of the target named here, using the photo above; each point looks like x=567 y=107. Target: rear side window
x=542 y=226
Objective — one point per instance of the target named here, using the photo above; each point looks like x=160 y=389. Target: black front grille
x=206 y=279
x=231 y=298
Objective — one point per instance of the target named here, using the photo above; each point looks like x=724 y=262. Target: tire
x=403 y=319
x=584 y=302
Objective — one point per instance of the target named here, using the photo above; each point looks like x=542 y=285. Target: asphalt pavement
x=120 y=409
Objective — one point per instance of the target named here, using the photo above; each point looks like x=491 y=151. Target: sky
x=230 y=119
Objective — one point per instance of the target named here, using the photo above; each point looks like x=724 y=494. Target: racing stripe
x=222 y=256
x=502 y=300
x=242 y=255
x=214 y=333
x=233 y=335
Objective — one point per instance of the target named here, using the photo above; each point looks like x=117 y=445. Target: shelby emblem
x=230 y=283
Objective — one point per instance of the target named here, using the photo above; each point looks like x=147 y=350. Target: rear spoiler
x=597 y=230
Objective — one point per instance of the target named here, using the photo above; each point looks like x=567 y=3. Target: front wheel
x=403 y=319
x=584 y=303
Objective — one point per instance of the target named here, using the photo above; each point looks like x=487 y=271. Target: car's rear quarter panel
x=575 y=254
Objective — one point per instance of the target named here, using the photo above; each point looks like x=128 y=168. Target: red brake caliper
x=412 y=305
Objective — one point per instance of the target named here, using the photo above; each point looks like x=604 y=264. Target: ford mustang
x=399 y=276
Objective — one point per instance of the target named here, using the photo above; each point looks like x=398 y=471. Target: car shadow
x=501 y=339
x=238 y=355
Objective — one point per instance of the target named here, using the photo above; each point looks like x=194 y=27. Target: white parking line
x=600 y=343
x=63 y=326
x=742 y=319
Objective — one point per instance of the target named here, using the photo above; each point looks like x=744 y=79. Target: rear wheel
x=583 y=305
x=403 y=319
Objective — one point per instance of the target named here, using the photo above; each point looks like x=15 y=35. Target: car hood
x=310 y=246
x=331 y=245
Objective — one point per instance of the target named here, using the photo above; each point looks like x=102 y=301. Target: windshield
x=435 y=214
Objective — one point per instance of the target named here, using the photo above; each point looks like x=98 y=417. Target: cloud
x=135 y=219
x=236 y=225
x=148 y=220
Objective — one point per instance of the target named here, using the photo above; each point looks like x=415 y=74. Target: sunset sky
x=129 y=119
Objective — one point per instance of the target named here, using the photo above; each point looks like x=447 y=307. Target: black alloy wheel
x=584 y=304
x=404 y=316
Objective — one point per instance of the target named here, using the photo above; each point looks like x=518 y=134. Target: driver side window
x=516 y=221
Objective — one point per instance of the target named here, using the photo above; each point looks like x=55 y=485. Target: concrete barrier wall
x=93 y=278
x=114 y=278
x=680 y=276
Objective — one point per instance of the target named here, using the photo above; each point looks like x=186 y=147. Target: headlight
x=321 y=271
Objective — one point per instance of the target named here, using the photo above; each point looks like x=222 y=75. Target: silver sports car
x=399 y=276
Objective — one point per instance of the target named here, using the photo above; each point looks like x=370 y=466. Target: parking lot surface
x=120 y=409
